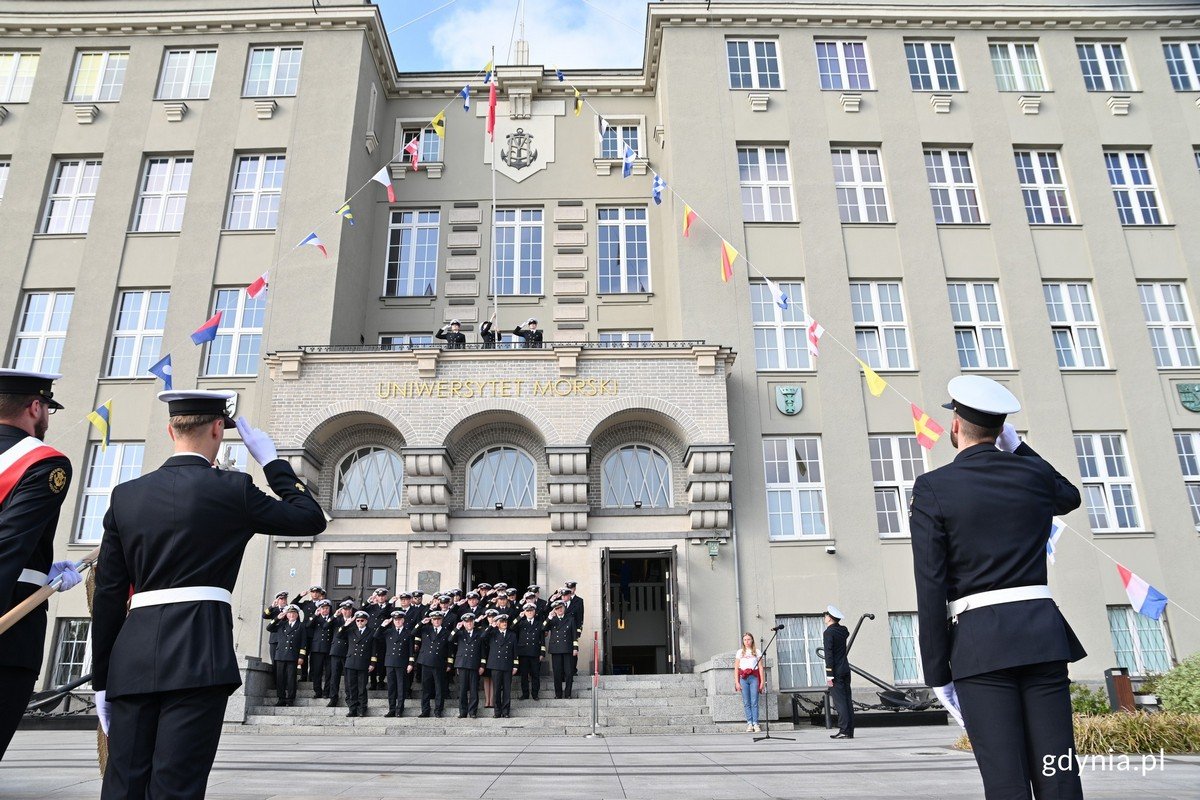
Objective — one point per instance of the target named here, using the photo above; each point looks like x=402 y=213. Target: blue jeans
x=750 y=699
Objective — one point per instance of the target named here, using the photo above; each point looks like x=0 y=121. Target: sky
x=569 y=34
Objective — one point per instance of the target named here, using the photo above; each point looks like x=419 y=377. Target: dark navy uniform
x=562 y=646
x=398 y=660
x=531 y=651
x=455 y=340
x=500 y=659
x=169 y=668
x=434 y=659
x=291 y=649
x=980 y=524
x=837 y=670
x=379 y=610
x=467 y=645
x=270 y=614
x=574 y=606
x=308 y=607
x=488 y=335
x=28 y=517
x=320 y=642
x=531 y=336
x=338 y=648
x=360 y=662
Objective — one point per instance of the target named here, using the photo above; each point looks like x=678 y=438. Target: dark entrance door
x=516 y=568
x=356 y=575
x=639 y=621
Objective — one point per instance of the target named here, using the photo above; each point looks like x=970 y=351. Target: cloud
x=568 y=34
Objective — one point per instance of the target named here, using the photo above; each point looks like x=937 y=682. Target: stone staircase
x=628 y=704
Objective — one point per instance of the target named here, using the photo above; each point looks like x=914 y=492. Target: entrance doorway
x=640 y=612
x=518 y=569
x=356 y=575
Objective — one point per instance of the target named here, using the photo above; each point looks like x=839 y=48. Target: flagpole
x=495 y=277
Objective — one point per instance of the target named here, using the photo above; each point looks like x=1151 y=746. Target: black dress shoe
x=279 y=703
x=524 y=697
x=462 y=715
x=497 y=715
x=332 y=703
x=842 y=736
x=535 y=698
x=423 y=714
x=474 y=715
x=437 y=714
x=351 y=713
x=390 y=714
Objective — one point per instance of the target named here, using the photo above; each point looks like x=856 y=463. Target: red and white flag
x=413 y=148
x=815 y=332
x=491 y=118
x=259 y=285
x=385 y=178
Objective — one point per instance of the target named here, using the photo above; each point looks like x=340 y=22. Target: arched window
x=636 y=474
x=501 y=475
x=371 y=477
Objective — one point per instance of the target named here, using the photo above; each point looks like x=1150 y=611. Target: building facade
x=944 y=188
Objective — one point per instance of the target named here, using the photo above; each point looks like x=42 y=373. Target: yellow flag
x=438 y=124
x=578 y=102
x=101 y=420
x=875 y=383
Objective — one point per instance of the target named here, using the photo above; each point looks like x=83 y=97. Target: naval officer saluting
x=993 y=643
x=176 y=535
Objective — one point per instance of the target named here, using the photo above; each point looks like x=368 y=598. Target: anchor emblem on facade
x=520 y=152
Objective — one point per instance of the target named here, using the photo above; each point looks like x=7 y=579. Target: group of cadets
x=455 y=339
x=482 y=639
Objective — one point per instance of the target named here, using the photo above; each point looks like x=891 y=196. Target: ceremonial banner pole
x=495 y=277
x=34 y=600
x=595 y=734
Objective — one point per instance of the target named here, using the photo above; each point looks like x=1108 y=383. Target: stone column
x=568 y=491
x=710 y=476
x=427 y=480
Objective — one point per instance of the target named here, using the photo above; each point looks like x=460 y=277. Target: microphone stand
x=767 y=694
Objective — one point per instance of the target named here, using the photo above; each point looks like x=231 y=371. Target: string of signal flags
x=1144 y=598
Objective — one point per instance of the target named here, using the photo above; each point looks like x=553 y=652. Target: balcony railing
x=658 y=344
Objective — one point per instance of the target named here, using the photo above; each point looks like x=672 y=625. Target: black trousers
x=319 y=670
x=433 y=687
x=469 y=681
x=397 y=686
x=1019 y=721
x=356 y=690
x=162 y=745
x=378 y=676
x=337 y=667
x=502 y=691
x=843 y=704
x=530 y=669
x=16 y=687
x=563 y=665
x=285 y=680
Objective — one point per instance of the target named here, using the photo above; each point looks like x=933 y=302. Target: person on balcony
x=530 y=333
x=488 y=334
x=452 y=333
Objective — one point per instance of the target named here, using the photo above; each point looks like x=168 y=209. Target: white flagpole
x=495 y=276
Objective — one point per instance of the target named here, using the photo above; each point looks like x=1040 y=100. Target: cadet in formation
x=320 y=642
x=339 y=646
x=563 y=647
x=531 y=650
x=398 y=640
x=500 y=658
x=467 y=645
x=360 y=661
x=452 y=334
x=433 y=658
x=289 y=653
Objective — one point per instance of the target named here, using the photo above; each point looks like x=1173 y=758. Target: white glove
x=258 y=443
x=65 y=570
x=1008 y=441
x=102 y=709
x=949 y=699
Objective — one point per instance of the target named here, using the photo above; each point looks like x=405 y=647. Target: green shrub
x=1089 y=701
x=1179 y=689
x=1128 y=733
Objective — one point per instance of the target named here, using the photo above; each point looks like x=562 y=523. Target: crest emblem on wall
x=519 y=153
x=789 y=400
x=1189 y=395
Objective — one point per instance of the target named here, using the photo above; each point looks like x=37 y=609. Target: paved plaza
x=889 y=763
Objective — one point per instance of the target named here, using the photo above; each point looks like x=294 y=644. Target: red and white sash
x=20 y=457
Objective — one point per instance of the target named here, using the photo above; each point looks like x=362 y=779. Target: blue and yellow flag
x=101 y=420
x=347 y=213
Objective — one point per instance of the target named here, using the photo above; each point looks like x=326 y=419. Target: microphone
x=778 y=627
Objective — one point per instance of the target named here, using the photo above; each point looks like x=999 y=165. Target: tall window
x=795 y=487
x=1183 y=62
x=952 y=186
x=235 y=351
x=906 y=654
x=163 y=194
x=502 y=476
x=1139 y=643
x=371 y=477
x=137 y=335
x=1169 y=320
x=614 y=139
x=119 y=462
x=780 y=335
x=1187 y=446
x=272 y=72
x=4 y=168
x=429 y=144
x=625 y=338
x=753 y=64
x=931 y=66
x=1074 y=326
x=843 y=65
x=412 y=254
x=17 y=71
x=519 y=251
x=858 y=176
x=72 y=196
x=978 y=325
x=896 y=462
x=1018 y=67
x=98 y=77
x=72 y=650
x=187 y=74
x=624 y=250
x=799 y=665
x=254 y=198
x=880 y=327
x=42 y=331
x=405 y=341
x=1133 y=187
x=1105 y=68
x=636 y=476
x=766 y=184
x=1108 y=489
x=1043 y=187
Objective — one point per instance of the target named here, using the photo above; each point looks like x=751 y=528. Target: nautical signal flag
x=491 y=118
x=1145 y=599
x=162 y=369
x=578 y=102
x=558 y=73
x=602 y=126
x=689 y=217
x=438 y=124
x=490 y=69
x=259 y=285
x=875 y=384
x=385 y=178
x=347 y=214
x=928 y=431
x=656 y=189
x=465 y=94
x=413 y=149
x=728 y=256
x=208 y=331
x=779 y=295
x=315 y=242
x=101 y=420
x=627 y=162
x=815 y=332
